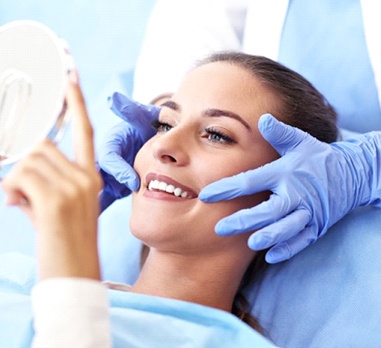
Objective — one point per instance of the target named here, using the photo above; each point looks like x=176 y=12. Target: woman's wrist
x=59 y=258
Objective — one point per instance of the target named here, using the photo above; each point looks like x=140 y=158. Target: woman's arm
x=60 y=197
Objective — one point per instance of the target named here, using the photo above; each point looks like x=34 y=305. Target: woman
x=206 y=131
x=323 y=41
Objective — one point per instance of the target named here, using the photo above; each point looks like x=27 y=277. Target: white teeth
x=162 y=186
x=169 y=188
x=153 y=185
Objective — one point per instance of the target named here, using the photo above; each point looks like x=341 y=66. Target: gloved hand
x=313 y=184
x=122 y=142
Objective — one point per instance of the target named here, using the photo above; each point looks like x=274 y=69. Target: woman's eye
x=216 y=136
x=161 y=127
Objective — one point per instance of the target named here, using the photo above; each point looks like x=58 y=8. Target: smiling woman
x=208 y=130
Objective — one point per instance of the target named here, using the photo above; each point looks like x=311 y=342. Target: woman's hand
x=60 y=197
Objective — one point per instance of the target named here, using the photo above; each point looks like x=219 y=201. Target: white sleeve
x=178 y=34
x=70 y=312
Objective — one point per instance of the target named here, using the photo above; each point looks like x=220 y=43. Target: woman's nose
x=171 y=147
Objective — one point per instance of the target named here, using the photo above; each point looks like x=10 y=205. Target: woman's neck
x=210 y=280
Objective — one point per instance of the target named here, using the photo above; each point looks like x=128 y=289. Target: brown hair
x=300 y=105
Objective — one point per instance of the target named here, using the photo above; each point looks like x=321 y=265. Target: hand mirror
x=34 y=69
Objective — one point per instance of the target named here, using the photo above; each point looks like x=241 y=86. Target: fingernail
x=134 y=184
x=259 y=241
x=278 y=254
x=73 y=76
x=205 y=196
x=9 y=201
x=222 y=229
x=266 y=122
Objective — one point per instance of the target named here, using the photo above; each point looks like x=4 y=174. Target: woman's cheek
x=140 y=159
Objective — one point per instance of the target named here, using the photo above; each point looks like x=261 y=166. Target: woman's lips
x=162 y=186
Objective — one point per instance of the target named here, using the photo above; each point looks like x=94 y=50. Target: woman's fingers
x=28 y=189
x=47 y=162
x=52 y=165
x=82 y=129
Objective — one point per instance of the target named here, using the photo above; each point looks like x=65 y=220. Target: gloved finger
x=247 y=183
x=138 y=115
x=121 y=170
x=120 y=136
x=281 y=136
x=263 y=214
x=116 y=155
x=112 y=190
x=286 y=250
x=280 y=231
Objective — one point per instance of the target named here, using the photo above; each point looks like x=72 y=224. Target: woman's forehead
x=221 y=70
x=224 y=85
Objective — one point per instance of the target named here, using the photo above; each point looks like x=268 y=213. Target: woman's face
x=207 y=131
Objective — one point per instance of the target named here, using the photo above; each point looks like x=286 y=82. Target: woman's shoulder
x=177 y=323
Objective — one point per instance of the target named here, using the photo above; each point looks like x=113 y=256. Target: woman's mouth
x=162 y=183
x=169 y=188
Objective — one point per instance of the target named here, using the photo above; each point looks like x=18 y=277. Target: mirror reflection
x=33 y=79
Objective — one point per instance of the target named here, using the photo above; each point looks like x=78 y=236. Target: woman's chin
x=148 y=230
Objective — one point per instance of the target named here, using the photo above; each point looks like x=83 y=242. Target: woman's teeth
x=163 y=186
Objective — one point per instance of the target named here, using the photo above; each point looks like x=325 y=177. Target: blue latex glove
x=314 y=184
x=117 y=153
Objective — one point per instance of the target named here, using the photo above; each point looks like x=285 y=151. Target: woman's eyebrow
x=219 y=113
x=172 y=105
x=210 y=112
